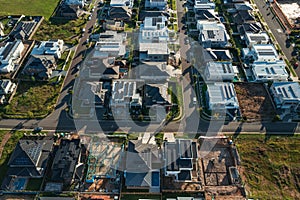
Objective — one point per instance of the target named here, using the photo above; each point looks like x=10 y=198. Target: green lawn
x=271 y=166
x=8 y=148
x=32 y=100
x=28 y=7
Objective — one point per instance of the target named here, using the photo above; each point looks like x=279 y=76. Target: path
x=3 y=142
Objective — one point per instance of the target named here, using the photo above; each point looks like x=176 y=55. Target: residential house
x=256 y=38
x=121 y=13
x=206 y=15
x=66 y=166
x=103 y=69
x=212 y=34
x=10 y=55
x=110 y=44
x=40 y=66
x=120 y=10
x=143 y=164
x=179 y=157
x=28 y=160
x=153 y=39
x=217 y=55
x=243 y=16
x=23 y=30
x=204 y=4
x=69 y=11
x=243 y=6
x=75 y=2
x=92 y=94
x=286 y=95
x=126 y=98
x=219 y=71
x=156 y=4
x=121 y=3
x=269 y=71
x=252 y=27
x=50 y=47
x=144 y=13
x=7 y=86
x=222 y=96
x=260 y=52
x=156 y=87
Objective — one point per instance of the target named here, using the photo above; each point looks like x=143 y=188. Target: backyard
x=270 y=165
x=32 y=100
x=28 y=7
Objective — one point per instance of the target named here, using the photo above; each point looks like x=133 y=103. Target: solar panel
x=257 y=37
x=210 y=34
x=292 y=92
x=228 y=68
x=224 y=68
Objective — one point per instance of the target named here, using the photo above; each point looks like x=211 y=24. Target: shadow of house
x=40 y=66
x=28 y=160
x=69 y=11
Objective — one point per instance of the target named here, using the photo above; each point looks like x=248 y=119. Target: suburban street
x=59 y=120
x=277 y=30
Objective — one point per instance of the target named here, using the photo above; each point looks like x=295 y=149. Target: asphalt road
x=190 y=123
x=278 y=32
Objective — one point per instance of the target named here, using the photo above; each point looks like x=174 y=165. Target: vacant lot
x=28 y=7
x=255 y=104
x=67 y=30
x=32 y=100
x=270 y=166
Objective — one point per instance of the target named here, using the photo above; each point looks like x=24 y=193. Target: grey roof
x=217 y=54
x=151 y=72
x=153 y=96
x=23 y=30
x=139 y=163
x=203 y=14
x=243 y=6
x=29 y=159
x=40 y=65
x=179 y=155
x=30 y=153
x=242 y=16
x=65 y=160
x=123 y=13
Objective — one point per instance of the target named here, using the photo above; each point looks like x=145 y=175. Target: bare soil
x=254 y=101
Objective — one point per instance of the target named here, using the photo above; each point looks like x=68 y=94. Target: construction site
x=103 y=163
x=219 y=161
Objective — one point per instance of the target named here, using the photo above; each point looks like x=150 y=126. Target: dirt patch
x=255 y=104
x=3 y=142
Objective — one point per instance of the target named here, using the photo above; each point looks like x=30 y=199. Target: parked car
x=38 y=129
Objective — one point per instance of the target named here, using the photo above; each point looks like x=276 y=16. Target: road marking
x=279 y=30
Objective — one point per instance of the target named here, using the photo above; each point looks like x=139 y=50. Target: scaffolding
x=103 y=160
